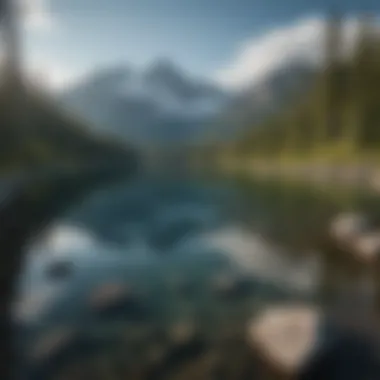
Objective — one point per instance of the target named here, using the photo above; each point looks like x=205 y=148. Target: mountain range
x=163 y=104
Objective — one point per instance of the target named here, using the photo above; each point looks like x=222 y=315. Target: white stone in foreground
x=285 y=335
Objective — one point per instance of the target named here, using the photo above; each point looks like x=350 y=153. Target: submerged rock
x=60 y=270
x=117 y=301
x=230 y=285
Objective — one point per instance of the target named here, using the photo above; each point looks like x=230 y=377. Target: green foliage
x=340 y=113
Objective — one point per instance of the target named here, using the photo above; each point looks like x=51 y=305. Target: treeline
x=339 y=115
x=35 y=133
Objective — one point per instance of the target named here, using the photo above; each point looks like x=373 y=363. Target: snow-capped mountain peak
x=160 y=96
x=172 y=91
x=162 y=103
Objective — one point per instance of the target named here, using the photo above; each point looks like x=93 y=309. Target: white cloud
x=37 y=15
x=258 y=57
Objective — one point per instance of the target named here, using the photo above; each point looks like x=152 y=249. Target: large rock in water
x=297 y=342
x=284 y=336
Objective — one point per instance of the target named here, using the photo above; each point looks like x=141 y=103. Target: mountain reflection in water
x=153 y=262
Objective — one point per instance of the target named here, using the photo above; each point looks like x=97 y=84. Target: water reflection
x=162 y=269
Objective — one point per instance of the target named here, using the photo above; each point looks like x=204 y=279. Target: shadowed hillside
x=35 y=133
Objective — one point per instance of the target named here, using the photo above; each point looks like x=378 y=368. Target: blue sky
x=206 y=37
